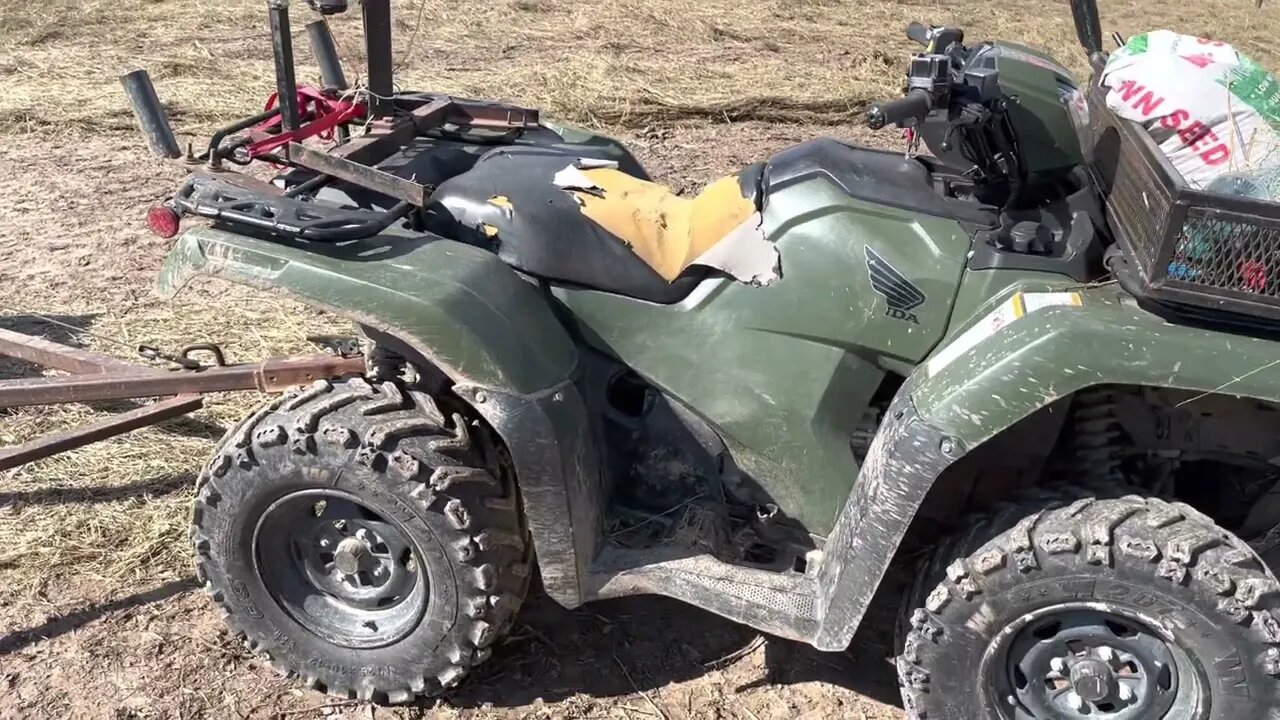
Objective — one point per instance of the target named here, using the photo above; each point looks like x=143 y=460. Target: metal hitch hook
x=219 y=359
x=154 y=353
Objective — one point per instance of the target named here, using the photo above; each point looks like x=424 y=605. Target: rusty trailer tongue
x=95 y=377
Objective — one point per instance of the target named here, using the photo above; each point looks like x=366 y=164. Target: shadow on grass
x=11 y=368
x=632 y=645
x=160 y=485
x=74 y=620
x=614 y=648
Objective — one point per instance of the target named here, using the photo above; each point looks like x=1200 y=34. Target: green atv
x=770 y=400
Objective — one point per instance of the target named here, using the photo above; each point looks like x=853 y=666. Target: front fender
x=487 y=328
x=998 y=375
x=1059 y=350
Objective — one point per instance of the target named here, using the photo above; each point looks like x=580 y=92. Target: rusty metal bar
x=387 y=136
x=270 y=376
x=362 y=175
x=44 y=447
x=494 y=115
x=384 y=137
x=46 y=353
x=354 y=161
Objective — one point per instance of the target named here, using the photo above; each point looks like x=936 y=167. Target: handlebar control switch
x=928 y=87
x=931 y=73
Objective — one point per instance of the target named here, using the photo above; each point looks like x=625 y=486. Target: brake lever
x=935 y=38
x=918 y=33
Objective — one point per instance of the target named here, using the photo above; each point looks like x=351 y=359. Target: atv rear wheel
x=1073 y=606
x=357 y=537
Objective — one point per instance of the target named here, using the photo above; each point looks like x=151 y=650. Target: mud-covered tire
x=440 y=479
x=1201 y=588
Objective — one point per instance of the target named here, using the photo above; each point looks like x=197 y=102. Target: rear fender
x=470 y=316
x=963 y=398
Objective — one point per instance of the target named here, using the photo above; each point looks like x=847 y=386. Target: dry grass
x=628 y=63
x=658 y=72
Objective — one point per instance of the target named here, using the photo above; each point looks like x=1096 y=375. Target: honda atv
x=768 y=400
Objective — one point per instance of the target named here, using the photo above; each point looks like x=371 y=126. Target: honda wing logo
x=899 y=293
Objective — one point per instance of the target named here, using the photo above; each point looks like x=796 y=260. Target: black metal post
x=1088 y=26
x=282 y=48
x=325 y=52
x=377 y=46
x=151 y=115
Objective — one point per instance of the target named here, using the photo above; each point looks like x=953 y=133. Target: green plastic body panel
x=1047 y=136
x=460 y=306
x=979 y=288
x=1056 y=351
x=785 y=371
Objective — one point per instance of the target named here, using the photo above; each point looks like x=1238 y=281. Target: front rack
x=1210 y=254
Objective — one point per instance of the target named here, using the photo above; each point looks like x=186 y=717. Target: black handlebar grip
x=918 y=33
x=915 y=105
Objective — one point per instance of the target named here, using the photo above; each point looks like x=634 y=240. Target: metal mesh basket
x=1189 y=247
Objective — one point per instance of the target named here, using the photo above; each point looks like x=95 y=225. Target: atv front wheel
x=1079 y=607
x=357 y=537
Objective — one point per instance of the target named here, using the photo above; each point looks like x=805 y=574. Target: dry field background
x=98 y=616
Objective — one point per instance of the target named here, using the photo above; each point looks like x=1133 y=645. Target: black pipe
x=377 y=46
x=215 y=153
x=1125 y=275
x=306 y=188
x=1088 y=25
x=325 y=51
x=282 y=49
x=151 y=115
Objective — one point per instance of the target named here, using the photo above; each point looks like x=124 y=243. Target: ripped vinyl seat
x=595 y=227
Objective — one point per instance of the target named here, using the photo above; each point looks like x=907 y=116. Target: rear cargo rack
x=368 y=125
x=1186 y=247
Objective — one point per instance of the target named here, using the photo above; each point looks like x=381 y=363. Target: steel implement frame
x=354 y=160
x=270 y=377
x=282 y=53
x=97 y=377
x=379 y=63
x=366 y=176
x=108 y=427
x=45 y=353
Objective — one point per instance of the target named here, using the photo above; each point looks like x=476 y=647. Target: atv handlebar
x=906 y=111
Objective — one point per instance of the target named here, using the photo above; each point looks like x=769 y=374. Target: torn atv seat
x=581 y=220
x=667 y=231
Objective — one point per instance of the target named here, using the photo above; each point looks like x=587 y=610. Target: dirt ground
x=99 y=617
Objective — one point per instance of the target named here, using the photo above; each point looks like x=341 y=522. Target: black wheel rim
x=1089 y=663
x=340 y=568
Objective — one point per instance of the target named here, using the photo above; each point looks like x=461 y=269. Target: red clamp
x=326 y=112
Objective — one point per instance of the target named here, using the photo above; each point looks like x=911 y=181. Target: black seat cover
x=508 y=203
x=878 y=176
x=543 y=232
